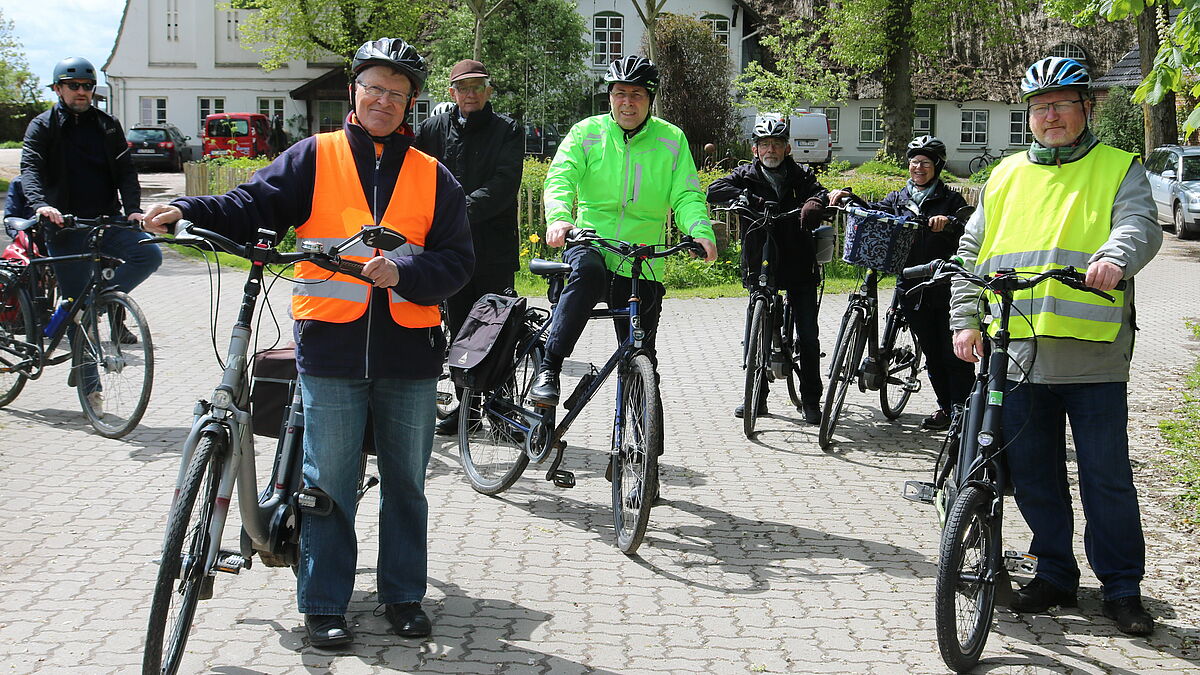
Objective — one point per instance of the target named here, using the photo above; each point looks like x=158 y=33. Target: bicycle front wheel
x=841 y=371
x=182 y=575
x=16 y=328
x=902 y=358
x=637 y=443
x=491 y=430
x=966 y=580
x=757 y=347
x=790 y=355
x=113 y=358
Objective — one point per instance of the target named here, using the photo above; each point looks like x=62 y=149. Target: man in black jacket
x=75 y=160
x=775 y=177
x=484 y=151
x=928 y=312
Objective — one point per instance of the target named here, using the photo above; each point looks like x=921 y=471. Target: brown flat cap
x=467 y=68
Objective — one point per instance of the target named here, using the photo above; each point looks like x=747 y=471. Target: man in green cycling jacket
x=1069 y=201
x=626 y=169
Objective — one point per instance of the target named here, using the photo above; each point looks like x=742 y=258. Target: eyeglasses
x=1060 y=108
x=76 y=86
x=470 y=89
x=632 y=96
x=388 y=95
x=921 y=164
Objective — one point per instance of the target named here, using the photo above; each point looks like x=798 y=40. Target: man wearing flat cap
x=484 y=151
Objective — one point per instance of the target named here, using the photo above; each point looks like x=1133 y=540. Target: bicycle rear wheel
x=637 y=443
x=182 y=576
x=491 y=431
x=841 y=371
x=793 y=359
x=757 y=347
x=113 y=356
x=16 y=327
x=966 y=580
x=902 y=359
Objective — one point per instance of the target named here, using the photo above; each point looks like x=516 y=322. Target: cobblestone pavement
x=768 y=555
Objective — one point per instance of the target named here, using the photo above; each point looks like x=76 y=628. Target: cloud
x=55 y=29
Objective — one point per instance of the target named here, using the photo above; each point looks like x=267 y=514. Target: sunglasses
x=76 y=86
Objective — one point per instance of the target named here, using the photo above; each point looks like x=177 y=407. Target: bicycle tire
x=965 y=594
x=789 y=349
x=124 y=372
x=757 y=348
x=902 y=364
x=491 y=449
x=637 y=443
x=841 y=371
x=16 y=325
x=978 y=163
x=181 y=576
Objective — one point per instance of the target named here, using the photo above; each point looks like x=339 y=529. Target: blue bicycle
x=504 y=430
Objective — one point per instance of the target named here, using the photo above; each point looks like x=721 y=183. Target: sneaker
x=1040 y=595
x=939 y=420
x=1131 y=617
x=96 y=403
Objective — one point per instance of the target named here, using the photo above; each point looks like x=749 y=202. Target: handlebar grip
x=921 y=271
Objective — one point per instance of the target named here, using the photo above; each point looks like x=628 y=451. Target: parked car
x=160 y=146
x=1174 y=173
x=809 y=136
x=236 y=135
x=541 y=141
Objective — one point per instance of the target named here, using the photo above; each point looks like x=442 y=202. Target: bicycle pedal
x=922 y=492
x=445 y=398
x=562 y=478
x=228 y=561
x=1020 y=561
x=912 y=386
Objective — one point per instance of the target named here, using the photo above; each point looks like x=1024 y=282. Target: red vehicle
x=236 y=135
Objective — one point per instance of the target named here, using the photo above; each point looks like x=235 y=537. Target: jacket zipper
x=371 y=289
x=624 y=188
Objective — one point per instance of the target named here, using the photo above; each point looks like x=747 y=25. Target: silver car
x=1174 y=173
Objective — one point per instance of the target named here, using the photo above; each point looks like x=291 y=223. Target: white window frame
x=152 y=110
x=1068 y=50
x=973 y=126
x=833 y=115
x=420 y=112
x=719 y=25
x=923 y=125
x=870 y=125
x=209 y=105
x=605 y=49
x=271 y=106
x=1019 y=133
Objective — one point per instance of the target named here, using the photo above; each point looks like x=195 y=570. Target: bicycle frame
x=871 y=371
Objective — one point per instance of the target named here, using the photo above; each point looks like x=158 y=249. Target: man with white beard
x=775 y=177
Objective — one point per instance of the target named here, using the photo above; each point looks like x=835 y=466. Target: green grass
x=1182 y=432
x=3 y=185
x=12 y=145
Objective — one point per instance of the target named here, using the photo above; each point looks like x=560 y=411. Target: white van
x=810 y=142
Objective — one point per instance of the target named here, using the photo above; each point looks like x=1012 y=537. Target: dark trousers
x=802 y=298
x=928 y=317
x=1034 y=422
x=589 y=283
x=140 y=260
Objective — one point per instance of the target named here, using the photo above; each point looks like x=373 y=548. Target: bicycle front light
x=985 y=439
x=222 y=399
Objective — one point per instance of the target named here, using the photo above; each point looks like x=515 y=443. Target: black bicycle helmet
x=930 y=146
x=771 y=125
x=633 y=69
x=393 y=52
x=73 y=68
x=1054 y=73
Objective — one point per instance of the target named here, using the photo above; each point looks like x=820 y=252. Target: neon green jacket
x=624 y=191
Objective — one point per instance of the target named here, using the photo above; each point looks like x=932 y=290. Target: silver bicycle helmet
x=931 y=147
x=771 y=125
x=1052 y=74
x=393 y=52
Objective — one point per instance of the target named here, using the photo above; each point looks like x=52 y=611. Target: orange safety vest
x=340 y=210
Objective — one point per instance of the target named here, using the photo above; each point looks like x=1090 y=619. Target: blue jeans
x=1034 y=423
x=335 y=416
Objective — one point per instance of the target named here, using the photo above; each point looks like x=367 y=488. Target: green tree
x=481 y=12
x=534 y=50
x=17 y=83
x=320 y=30
x=695 y=75
x=1119 y=121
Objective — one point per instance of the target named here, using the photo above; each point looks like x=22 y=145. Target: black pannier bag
x=481 y=356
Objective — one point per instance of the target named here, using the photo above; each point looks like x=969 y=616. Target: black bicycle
x=111 y=353
x=971 y=474
x=981 y=161
x=503 y=430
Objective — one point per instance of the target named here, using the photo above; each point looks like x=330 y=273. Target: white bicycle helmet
x=441 y=108
x=770 y=125
x=1052 y=74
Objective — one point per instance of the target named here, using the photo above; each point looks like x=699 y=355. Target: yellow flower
x=533 y=238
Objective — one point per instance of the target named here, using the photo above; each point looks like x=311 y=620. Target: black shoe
x=1039 y=595
x=740 y=411
x=327 y=631
x=448 y=426
x=124 y=335
x=1131 y=617
x=408 y=619
x=938 y=421
x=545 y=387
x=812 y=413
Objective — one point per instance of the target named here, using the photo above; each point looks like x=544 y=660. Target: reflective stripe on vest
x=1040 y=217
x=339 y=210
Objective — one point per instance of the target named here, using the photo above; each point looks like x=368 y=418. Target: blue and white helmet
x=1054 y=73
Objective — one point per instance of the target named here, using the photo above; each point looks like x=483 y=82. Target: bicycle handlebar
x=70 y=222
x=583 y=236
x=741 y=206
x=942 y=271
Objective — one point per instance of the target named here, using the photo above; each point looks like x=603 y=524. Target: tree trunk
x=898 y=104
x=477 y=53
x=1162 y=127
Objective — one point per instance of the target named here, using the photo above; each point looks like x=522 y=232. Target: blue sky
x=44 y=26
